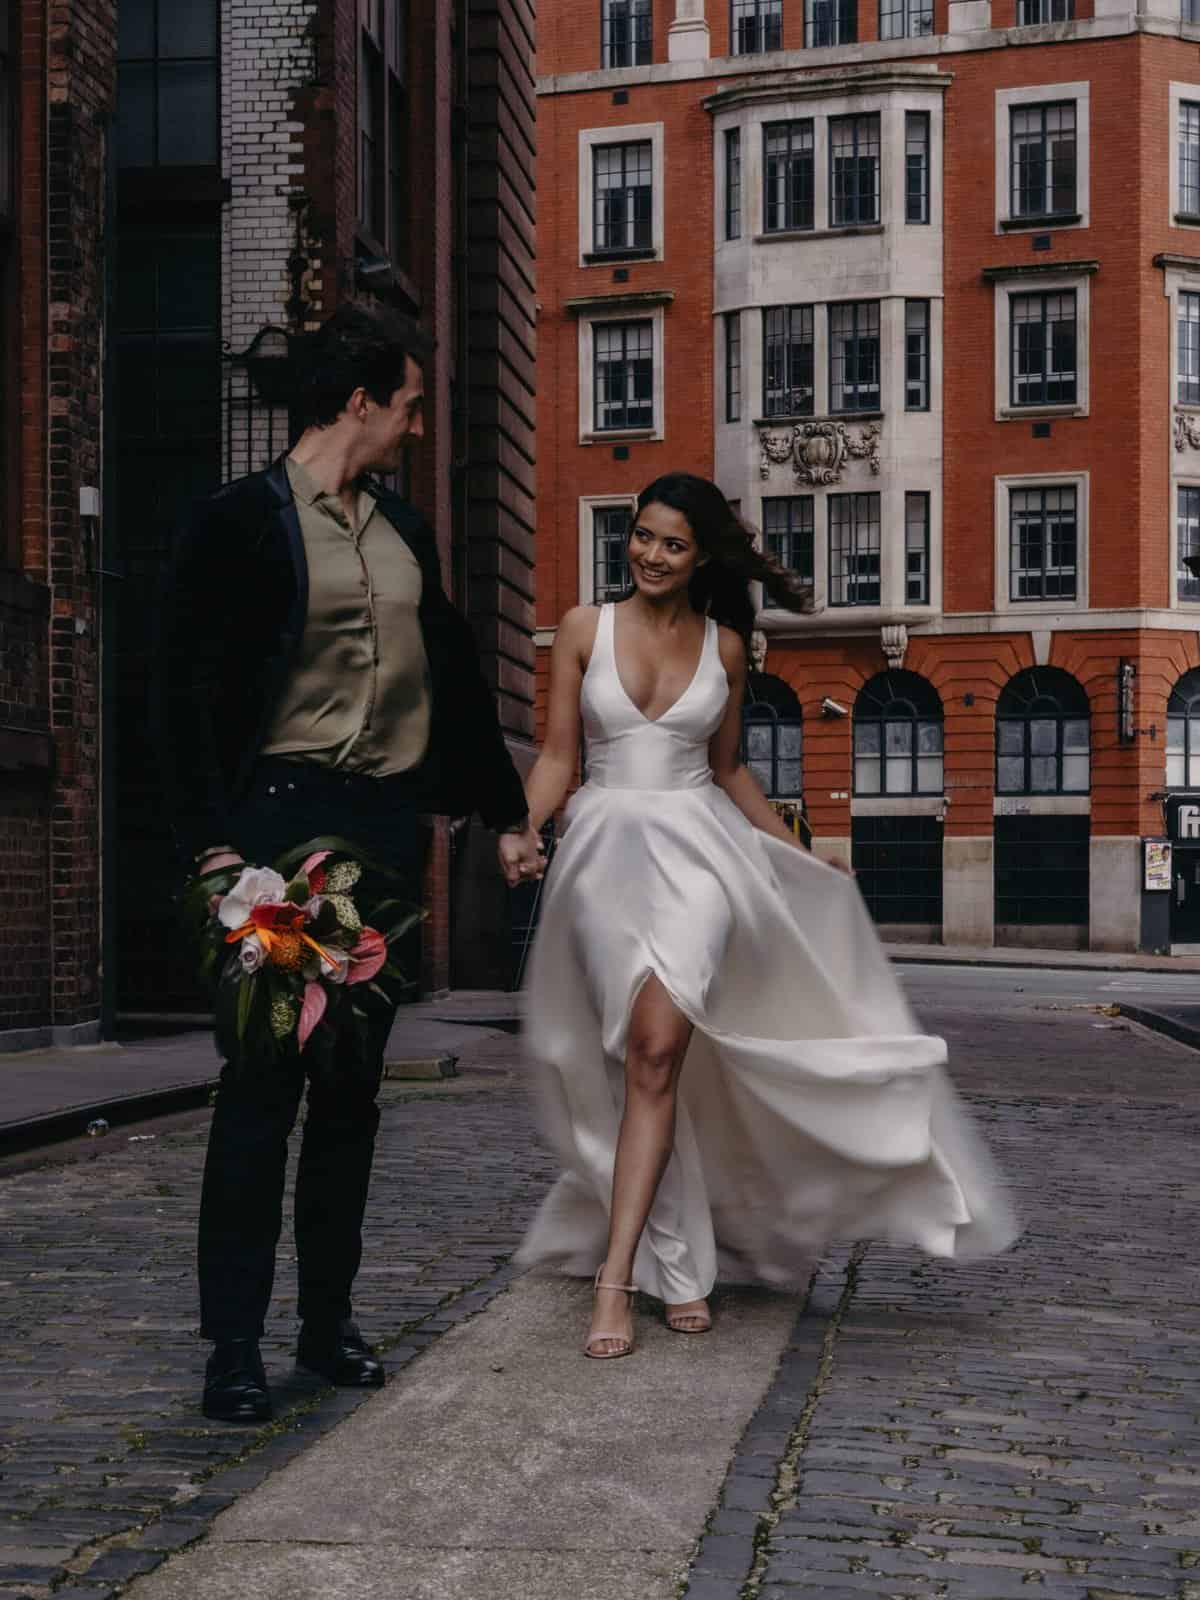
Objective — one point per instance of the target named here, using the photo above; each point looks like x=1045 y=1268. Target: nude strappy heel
x=689 y=1321
x=624 y=1346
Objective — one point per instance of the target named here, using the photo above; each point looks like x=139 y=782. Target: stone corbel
x=1187 y=430
x=893 y=637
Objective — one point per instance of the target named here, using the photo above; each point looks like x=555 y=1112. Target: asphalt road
x=1025 y=988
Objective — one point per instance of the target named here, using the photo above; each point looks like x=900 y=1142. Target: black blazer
x=231 y=622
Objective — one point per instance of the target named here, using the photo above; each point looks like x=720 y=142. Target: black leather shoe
x=341 y=1354
x=235 y=1385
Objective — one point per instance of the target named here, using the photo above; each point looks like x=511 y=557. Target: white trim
x=633 y=133
x=1037 y=94
x=588 y=433
x=1080 y=481
x=587 y=566
x=1042 y=283
x=784 y=627
x=1177 y=92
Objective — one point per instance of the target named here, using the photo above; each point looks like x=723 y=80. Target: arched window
x=898 y=736
x=773 y=736
x=1183 y=733
x=1042 y=743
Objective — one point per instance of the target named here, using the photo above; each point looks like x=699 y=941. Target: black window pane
x=755 y=25
x=1189 y=158
x=854 y=569
x=916 y=355
x=1189 y=348
x=135 y=29
x=626 y=32
x=788 y=361
x=830 y=22
x=916 y=166
x=1043 y=539
x=788 y=175
x=135 y=116
x=1188 y=540
x=733 y=184
x=610 y=537
x=1042 y=140
x=788 y=533
x=916 y=549
x=733 y=366
x=186 y=29
x=1043 y=349
x=853 y=170
x=854 y=370
x=187 y=114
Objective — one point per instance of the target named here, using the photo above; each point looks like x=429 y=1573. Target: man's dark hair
x=355 y=348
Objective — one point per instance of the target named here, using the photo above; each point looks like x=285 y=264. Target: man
x=315 y=679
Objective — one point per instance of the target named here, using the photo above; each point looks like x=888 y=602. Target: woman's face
x=663 y=553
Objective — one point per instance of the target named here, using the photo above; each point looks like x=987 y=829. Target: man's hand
x=522 y=857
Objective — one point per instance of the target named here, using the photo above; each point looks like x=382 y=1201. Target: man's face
x=391 y=429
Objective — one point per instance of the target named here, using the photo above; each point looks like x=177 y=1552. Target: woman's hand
x=522 y=857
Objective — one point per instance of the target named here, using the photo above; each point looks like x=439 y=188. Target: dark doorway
x=1042 y=873
x=898 y=863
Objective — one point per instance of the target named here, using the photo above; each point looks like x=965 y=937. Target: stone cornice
x=885 y=78
x=633 y=300
x=1040 y=269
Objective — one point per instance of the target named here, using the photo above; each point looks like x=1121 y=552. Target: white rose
x=257 y=886
x=251 y=953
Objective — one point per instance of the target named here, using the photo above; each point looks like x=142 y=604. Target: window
x=905 y=19
x=733 y=183
x=916 y=166
x=898 y=736
x=1189 y=348
x=772 y=748
x=625 y=33
x=733 y=366
x=1043 y=544
x=383 y=177
x=916 y=548
x=788 y=175
x=624 y=375
x=1042 y=742
x=1187 y=541
x=9 y=476
x=853 y=170
x=1043 y=371
x=788 y=532
x=1031 y=12
x=7 y=123
x=853 y=549
x=916 y=355
x=1189 y=158
x=1183 y=733
x=1043 y=153
x=854 y=376
x=610 y=543
x=755 y=25
x=167 y=84
x=622 y=191
x=788 y=361
x=830 y=22
x=1190 y=10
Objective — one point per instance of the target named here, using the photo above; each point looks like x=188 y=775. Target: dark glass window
x=624 y=375
x=7 y=114
x=1183 y=733
x=733 y=366
x=1189 y=158
x=1042 y=734
x=905 y=19
x=898 y=736
x=788 y=175
x=1189 y=348
x=733 y=183
x=1043 y=349
x=755 y=25
x=854 y=373
x=916 y=166
x=1190 y=10
x=773 y=750
x=1031 y=12
x=788 y=361
x=916 y=355
x=853 y=170
x=1187 y=540
x=830 y=22
x=383 y=178
x=916 y=548
x=626 y=33
x=610 y=543
x=788 y=532
x=1043 y=159
x=898 y=868
x=1042 y=871
x=1043 y=544
x=167 y=84
x=853 y=549
x=622 y=179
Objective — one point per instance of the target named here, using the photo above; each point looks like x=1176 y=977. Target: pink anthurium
x=367 y=957
x=316 y=880
x=312 y=1010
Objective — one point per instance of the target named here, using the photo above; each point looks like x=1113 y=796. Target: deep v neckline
x=652 y=722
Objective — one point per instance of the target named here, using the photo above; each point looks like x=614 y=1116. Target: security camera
x=833 y=708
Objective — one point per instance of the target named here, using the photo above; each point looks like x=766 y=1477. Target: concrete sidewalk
x=1016 y=956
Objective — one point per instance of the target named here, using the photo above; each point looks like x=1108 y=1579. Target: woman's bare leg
x=659 y=1034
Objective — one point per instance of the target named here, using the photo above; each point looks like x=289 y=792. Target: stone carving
x=893 y=636
x=819 y=451
x=1187 y=430
x=758 y=650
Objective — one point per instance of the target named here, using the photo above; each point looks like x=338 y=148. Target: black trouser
x=241 y=1207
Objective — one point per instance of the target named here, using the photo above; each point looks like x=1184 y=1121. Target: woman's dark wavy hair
x=355 y=348
x=721 y=588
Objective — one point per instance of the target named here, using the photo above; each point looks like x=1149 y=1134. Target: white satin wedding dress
x=810 y=1107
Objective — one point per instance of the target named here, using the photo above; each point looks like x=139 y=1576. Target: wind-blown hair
x=721 y=588
x=355 y=348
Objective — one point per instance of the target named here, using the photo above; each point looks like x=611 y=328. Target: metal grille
x=853 y=170
x=853 y=549
x=1189 y=158
x=1042 y=734
x=1043 y=349
x=1042 y=871
x=788 y=175
x=916 y=355
x=898 y=868
x=1043 y=159
x=788 y=361
x=624 y=375
x=610 y=542
x=788 y=532
x=916 y=548
x=1183 y=733
x=916 y=166
x=854 y=379
x=733 y=183
x=733 y=366
x=1187 y=536
x=1189 y=348
x=626 y=33
x=622 y=192
x=898 y=736
x=830 y=22
x=1043 y=542
x=905 y=19
x=755 y=25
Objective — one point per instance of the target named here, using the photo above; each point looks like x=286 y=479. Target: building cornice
x=1041 y=269
x=796 y=85
x=633 y=300
x=1170 y=261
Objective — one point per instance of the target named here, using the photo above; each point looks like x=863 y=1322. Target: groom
x=314 y=679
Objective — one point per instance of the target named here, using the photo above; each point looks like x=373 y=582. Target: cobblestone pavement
x=100 y=1366
x=1023 y=1427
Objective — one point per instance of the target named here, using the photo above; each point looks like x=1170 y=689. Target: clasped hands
x=522 y=856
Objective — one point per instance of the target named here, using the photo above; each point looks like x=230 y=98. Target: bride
x=728 y=1070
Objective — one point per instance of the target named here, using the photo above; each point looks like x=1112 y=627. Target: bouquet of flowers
x=289 y=950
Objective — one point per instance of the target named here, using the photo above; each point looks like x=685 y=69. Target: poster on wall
x=1157 y=864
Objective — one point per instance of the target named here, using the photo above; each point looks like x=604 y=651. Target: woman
x=730 y=1074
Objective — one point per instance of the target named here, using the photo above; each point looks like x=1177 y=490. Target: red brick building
x=918 y=282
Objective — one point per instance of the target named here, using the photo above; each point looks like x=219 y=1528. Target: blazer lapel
x=287 y=516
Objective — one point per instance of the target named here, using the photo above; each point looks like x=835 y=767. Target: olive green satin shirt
x=358 y=696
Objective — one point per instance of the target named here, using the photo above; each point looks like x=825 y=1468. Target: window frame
x=1024 y=20
x=603 y=313
x=641 y=34
x=844 y=17
x=1008 y=100
x=1050 y=300
x=1185 y=588
x=917 y=720
x=734 y=178
x=848 y=582
x=921 y=384
x=153 y=64
x=588 y=506
x=804 y=157
x=622 y=134
x=760 y=713
x=788 y=343
x=911 y=13
x=1187 y=372
x=631 y=192
x=856 y=122
x=917 y=500
x=762 y=14
x=851 y=354
x=1182 y=97
x=628 y=328
x=1180 y=709
x=382 y=216
x=1002 y=600
x=801 y=520
x=731 y=325
x=1060 y=717
x=1008 y=282
x=922 y=120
